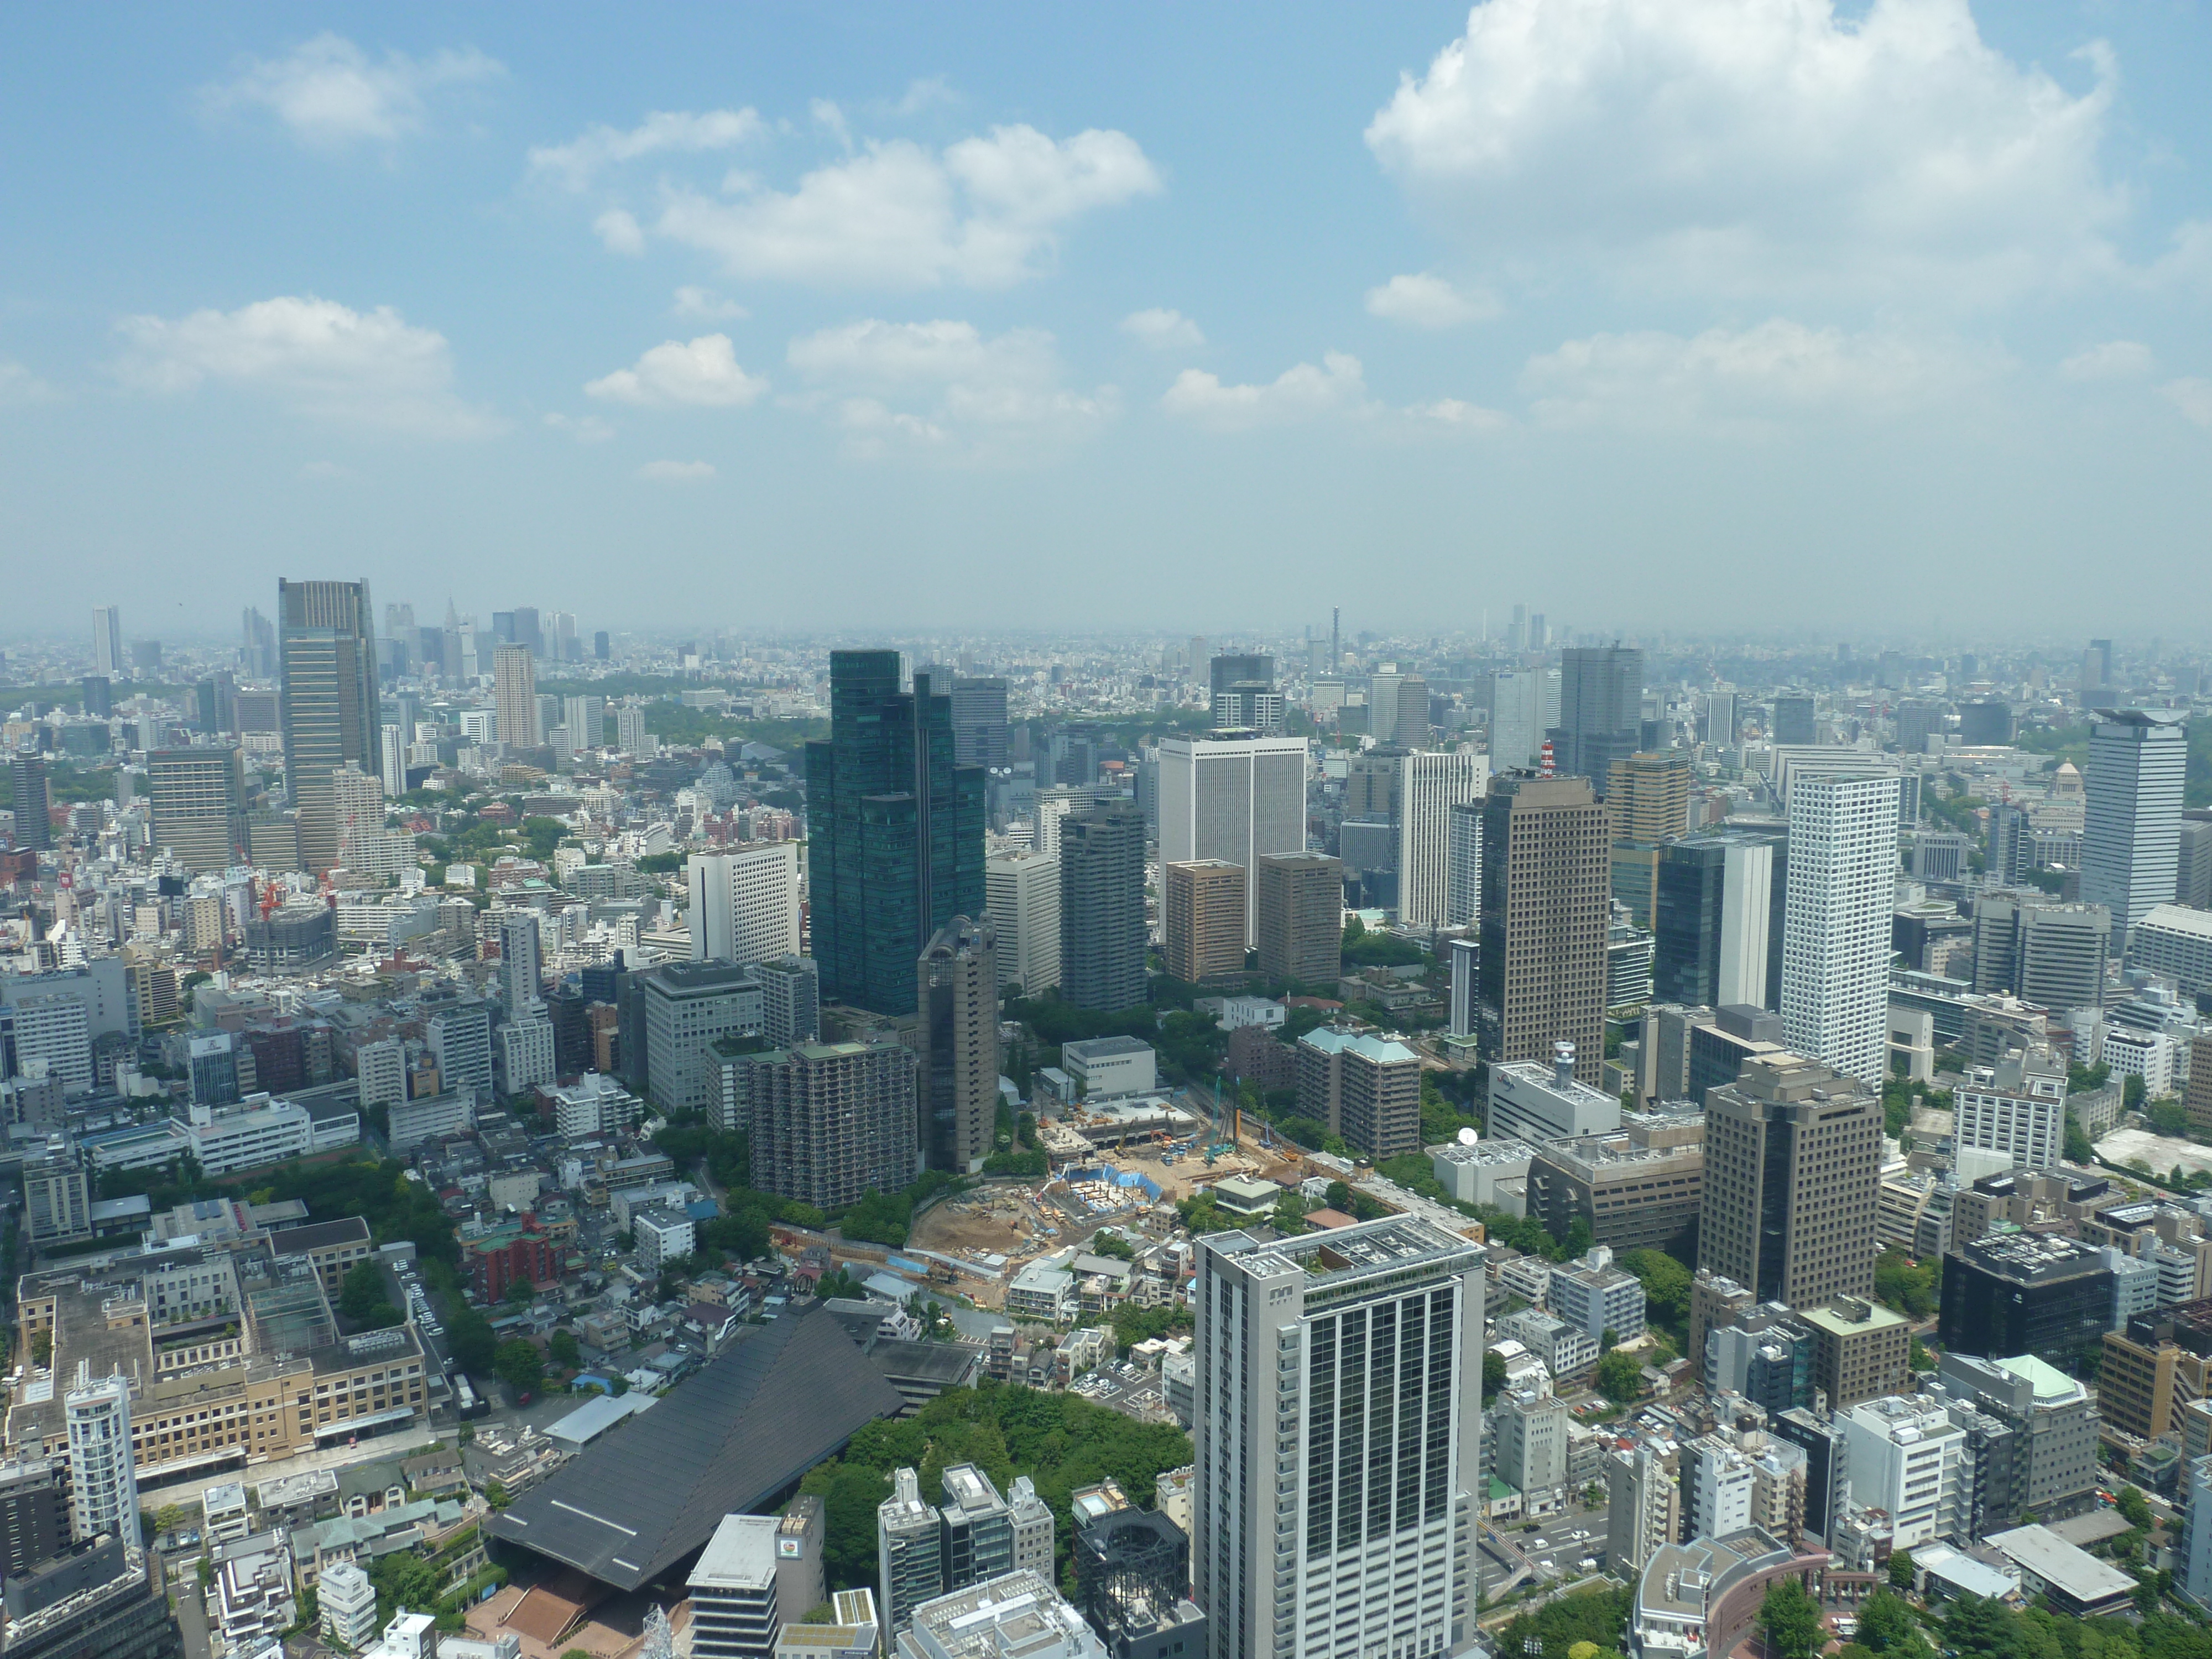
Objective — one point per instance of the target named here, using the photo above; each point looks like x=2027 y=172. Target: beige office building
x=1202 y=919
x=1299 y=906
x=514 y=693
x=1547 y=905
x=199 y=806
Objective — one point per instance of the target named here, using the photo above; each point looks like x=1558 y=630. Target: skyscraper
x=744 y=902
x=1836 y=939
x=514 y=696
x=979 y=733
x=1601 y=711
x=198 y=806
x=1232 y=797
x=2039 y=949
x=1463 y=862
x=630 y=735
x=1300 y=904
x=1547 y=905
x=1337 y=1434
x=34 y=802
x=1793 y=1174
x=825 y=1121
x=1202 y=920
x=1024 y=890
x=521 y=972
x=897 y=830
x=1715 y=906
x=1650 y=797
x=1245 y=695
x=1793 y=719
x=957 y=1000
x=1430 y=786
x=103 y=1475
x=2131 y=835
x=107 y=658
x=1517 y=717
x=1102 y=909
x=327 y=703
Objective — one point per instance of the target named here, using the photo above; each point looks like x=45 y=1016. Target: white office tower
x=1463 y=865
x=1720 y=718
x=734 y=1614
x=631 y=736
x=103 y=1478
x=586 y=720
x=1021 y=891
x=1235 y=797
x=2017 y=1107
x=1338 y=1431
x=1718 y=1484
x=1747 y=923
x=1463 y=956
x=107 y=641
x=2131 y=826
x=1642 y=1507
x=1836 y=929
x=1429 y=785
x=1904 y=1455
x=521 y=963
x=392 y=751
x=744 y=902
x=380 y=1070
x=1517 y=719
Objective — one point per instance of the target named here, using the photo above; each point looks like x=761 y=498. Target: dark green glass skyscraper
x=897 y=831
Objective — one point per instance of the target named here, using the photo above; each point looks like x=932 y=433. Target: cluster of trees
x=1364 y=949
x=1621 y=1377
x=1595 y=1619
x=887 y=1217
x=1911 y=1288
x=1060 y=1441
x=361 y=1300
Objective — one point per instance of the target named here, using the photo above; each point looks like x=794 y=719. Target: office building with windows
x=1714 y=904
x=1545 y=917
x=197 y=799
x=825 y=1121
x=1338 y=1437
x=2131 y=833
x=1234 y=795
x=1835 y=940
x=1600 y=712
x=897 y=830
x=1432 y=785
x=1022 y=890
x=956 y=1040
x=1102 y=932
x=327 y=702
x=1202 y=912
x=744 y=902
x=1299 y=910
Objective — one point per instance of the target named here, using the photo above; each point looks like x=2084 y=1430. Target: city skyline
x=381 y=280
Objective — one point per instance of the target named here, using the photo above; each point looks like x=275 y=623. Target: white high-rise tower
x=103 y=1477
x=1429 y=786
x=2131 y=833
x=1233 y=798
x=1836 y=925
x=107 y=640
x=1339 y=1431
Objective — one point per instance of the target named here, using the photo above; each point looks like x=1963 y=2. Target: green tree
x=1887 y=1625
x=1621 y=1377
x=1791 y=1619
x=468 y=1334
x=1338 y=1197
x=520 y=1365
x=1493 y=1375
x=2134 y=1509
x=1114 y=1245
x=1900 y=1568
x=1666 y=1283
x=564 y=1350
x=361 y=1292
x=1598 y=1617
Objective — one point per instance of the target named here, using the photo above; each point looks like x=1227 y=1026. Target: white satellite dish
x=1466 y=1137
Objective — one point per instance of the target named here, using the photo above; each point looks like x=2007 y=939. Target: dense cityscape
x=1675 y=1143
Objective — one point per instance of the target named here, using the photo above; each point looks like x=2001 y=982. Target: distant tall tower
x=521 y=974
x=1546 y=906
x=108 y=656
x=1102 y=909
x=328 y=705
x=1601 y=711
x=1836 y=932
x=1245 y=695
x=1335 y=639
x=2131 y=835
x=34 y=798
x=103 y=1476
x=514 y=695
x=1430 y=786
x=957 y=1000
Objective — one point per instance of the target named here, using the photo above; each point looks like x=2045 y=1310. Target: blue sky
x=1754 y=314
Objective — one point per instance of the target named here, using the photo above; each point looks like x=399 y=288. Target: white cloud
x=620 y=233
x=706 y=304
x=1759 y=146
x=315 y=356
x=929 y=92
x=943 y=385
x=985 y=213
x=1742 y=379
x=19 y=386
x=1450 y=414
x=701 y=374
x=676 y=471
x=1299 y=392
x=331 y=93
x=2192 y=396
x=1163 y=329
x=2115 y=360
x=1428 y=301
x=583 y=429
x=577 y=163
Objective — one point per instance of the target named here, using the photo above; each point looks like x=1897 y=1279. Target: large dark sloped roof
x=725 y=1442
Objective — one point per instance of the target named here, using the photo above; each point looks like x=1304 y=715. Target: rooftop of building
x=1105 y=1048
x=1380 y=1050
x=740 y=1556
x=1482 y=1153
x=2046 y=1379
x=1018 y=1612
x=1392 y=1244
x=2034 y=1257
x=1852 y=1316
x=2066 y=1567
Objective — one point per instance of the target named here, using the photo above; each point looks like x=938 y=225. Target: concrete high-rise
x=897 y=830
x=327 y=705
x=825 y=1123
x=1546 y=906
x=107 y=658
x=1600 y=712
x=1649 y=796
x=956 y=1038
x=198 y=802
x=1300 y=905
x=103 y=1469
x=1338 y=1435
x=1233 y=796
x=1836 y=938
x=1202 y=920
x=1793 y=1176
x=1245 y=695
x=1022 y=893
x=1714 y=903
x=514 y=697
x=744 y=902
x=630 y=735
x=2131 y=832
x=2039 y=949
x=586 y=718
x=521 y=972
x=1793 y=721
x=1463 y=863
x=1431 y=785
x=1102 y=909
x=34 y=802
x=1517 y=719
x=979 y=733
